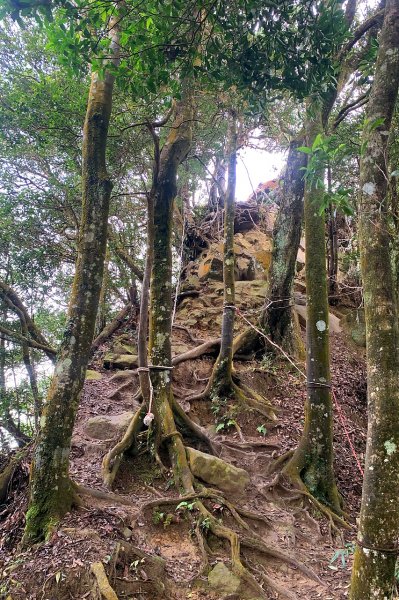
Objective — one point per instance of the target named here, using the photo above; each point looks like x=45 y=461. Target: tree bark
x=313 y=459
x=172 y=154
x=142 y=346
x=51 y=491
x=332 y=249
x=376 y=553
x=277 y=318
x=222 y=373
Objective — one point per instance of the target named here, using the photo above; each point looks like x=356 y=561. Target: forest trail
x=113 y=527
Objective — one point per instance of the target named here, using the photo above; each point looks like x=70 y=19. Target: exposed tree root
x=100 y=495
x=209 y=347
x=246 y=396
x=198 y=432
x=203 y=549
x=112 y=459
x=243 y=446
x=103 y=584
x=272 y=584
x=192 y=339
x=252 y=540
x=124 y=386
x=300 y=489
x=280 y=461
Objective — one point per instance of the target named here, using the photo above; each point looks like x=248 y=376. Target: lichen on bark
x=52 y=493
x=373 y=574
x=312 y=462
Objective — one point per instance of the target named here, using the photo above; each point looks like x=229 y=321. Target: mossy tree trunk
x=172 y=154
x=312 y=462
x=144 y=302
x=222 y=374
x=373 y=573
x=51 y=491
x=278 y=319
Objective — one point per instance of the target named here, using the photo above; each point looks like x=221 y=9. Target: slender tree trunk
x=217 y=188
x=313 y=458
x=51 y=491
x=144 y=304
x=222 y=375
x=373 y=573
x=7 y=422
x=173 y=153
x=278 y=319
x=332 y=249
x=101 y=318
x=30 y=369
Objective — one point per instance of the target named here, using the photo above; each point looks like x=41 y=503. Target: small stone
x=127 y=533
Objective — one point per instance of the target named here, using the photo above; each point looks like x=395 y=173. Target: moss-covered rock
x=93 y=375
x=104 y=427
x=120 y=361
x=223 y=581
x=217 y=472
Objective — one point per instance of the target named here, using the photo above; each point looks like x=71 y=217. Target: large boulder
x=105 y=427
x=223 y=581
x=216 y=471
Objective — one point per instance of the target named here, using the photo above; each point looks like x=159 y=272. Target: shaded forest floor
x=105 y=529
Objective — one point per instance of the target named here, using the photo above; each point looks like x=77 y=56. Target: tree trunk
x=101 y=317
x=332 y=249
x=173 y=153
x=142 y=348
x=217 y=188
x=222 y=375
x=313 y=459
x=278 y=319
x=7 y=422
x=377 y=550
x=30 y=369
x=51 y=491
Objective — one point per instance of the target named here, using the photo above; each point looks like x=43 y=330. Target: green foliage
x=262 y=429
x=341 y=555
x=327 y=152
x=159 y=517
x=185 y=506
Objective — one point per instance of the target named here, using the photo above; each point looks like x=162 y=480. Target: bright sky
x=255 y=166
